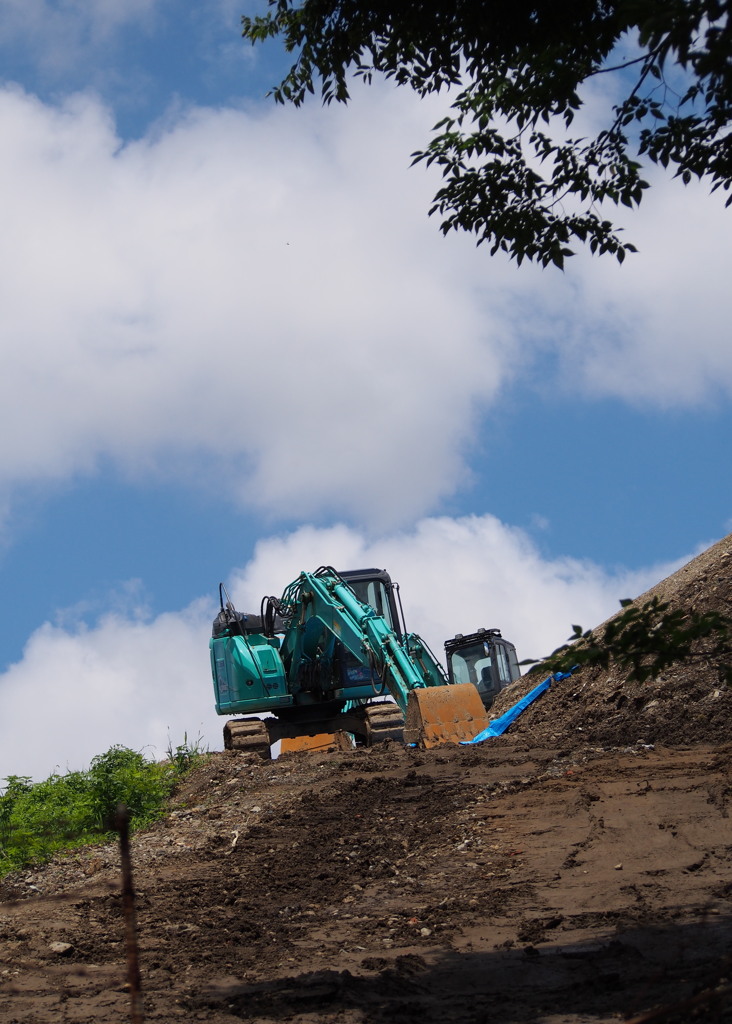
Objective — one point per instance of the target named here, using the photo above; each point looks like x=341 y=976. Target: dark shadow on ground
x=622 y=975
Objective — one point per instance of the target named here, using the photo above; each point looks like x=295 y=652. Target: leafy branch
x=645 y=640
x=532 y=195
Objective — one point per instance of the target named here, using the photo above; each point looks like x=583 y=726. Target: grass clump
x=40 y=819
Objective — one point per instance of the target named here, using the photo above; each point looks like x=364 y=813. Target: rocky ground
x=576 y=869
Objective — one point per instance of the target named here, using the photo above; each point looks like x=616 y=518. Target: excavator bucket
x=444 y=714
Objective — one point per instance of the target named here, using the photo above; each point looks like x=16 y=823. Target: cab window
x=373 y=592
x=473 y=665
x=504 y=673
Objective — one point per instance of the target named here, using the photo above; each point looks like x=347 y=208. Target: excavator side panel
x=248 y=675
x=444 y=714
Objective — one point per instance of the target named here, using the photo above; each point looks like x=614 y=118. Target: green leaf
x=511 y=67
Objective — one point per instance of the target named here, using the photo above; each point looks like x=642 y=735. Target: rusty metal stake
x=122 y=822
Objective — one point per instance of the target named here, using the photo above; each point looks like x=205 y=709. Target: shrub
x=40 y=819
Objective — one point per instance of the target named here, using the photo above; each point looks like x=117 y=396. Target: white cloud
x=139 y=54
x=256 y=299
x=256 y=289
x=79 y=690
x=656 y=330
x=137 y=681
x=57 y=34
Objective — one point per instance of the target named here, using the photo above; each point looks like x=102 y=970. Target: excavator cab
x=484 y=659
x=376 y=588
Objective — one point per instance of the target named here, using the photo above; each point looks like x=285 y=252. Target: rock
x=61 y=948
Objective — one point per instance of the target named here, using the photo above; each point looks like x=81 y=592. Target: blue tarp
x=499 y=725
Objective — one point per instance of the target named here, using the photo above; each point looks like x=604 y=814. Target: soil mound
x=686 y=704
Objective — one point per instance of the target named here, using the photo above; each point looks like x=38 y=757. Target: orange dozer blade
x=444 y=714
x=321 y=741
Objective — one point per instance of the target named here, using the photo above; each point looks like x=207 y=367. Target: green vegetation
x=644 y=640
x=517 y=173
x=40 y=819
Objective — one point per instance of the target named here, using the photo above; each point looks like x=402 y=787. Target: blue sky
x=235 y=347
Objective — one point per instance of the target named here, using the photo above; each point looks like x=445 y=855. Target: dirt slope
x=687 y=704
x=563 y=873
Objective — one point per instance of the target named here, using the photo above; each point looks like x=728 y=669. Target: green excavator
x=331 y=658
